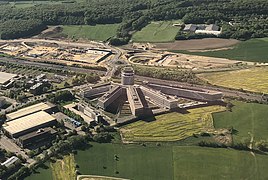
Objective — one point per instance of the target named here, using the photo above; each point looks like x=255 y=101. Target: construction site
x=183 y=61
x=57 y=53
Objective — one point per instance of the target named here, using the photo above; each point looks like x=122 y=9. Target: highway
x=47 y=65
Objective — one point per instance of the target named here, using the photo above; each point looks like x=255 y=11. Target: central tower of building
x=127 y=76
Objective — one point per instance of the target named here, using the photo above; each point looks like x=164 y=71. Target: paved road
x=64 y=43
x=8 y=145
x=225 y=91
x=111 y=65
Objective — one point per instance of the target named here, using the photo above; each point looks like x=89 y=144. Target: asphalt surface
x=47 y=65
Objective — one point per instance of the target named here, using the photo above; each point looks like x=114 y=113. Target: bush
x=262 y=145
x=103 y=137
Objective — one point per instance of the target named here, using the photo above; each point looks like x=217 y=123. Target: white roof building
x=10 y=161
x=5 y=77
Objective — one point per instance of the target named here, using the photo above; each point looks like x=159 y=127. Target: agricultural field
x=172 y=126
x=64 y=168
x=159 y=31
x=100 y=32
x=197 y=44
x=255 y=50
x=248 y=119
x=253 y=79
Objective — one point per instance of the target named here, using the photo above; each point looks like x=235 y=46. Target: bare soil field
x=197 y=44
x=180 y=60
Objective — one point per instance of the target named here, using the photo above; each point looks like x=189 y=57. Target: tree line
x=249 y=17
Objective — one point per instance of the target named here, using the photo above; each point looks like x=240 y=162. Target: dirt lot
x=197 y=44
x=197 y=62
x=181 y=60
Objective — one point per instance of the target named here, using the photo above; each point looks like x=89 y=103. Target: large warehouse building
x=5 y=77
x=30 y=109
x=28 y=123
x=31 y=125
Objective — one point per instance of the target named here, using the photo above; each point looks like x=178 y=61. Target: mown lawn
x=99 y=32
x=249 y=119
x=254 y=79
x=252 y=50
x=160 y=31
x=171 y=162
x=212 y=163
x=172 y=126
x=134 y=161
x=42 y=173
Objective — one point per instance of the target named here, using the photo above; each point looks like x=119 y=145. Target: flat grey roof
x=28 y=110
x=28 y=122
x=4 y=77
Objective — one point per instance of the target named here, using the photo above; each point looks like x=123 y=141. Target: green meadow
x=159 y=31
x=255 y=50
x=99 y=32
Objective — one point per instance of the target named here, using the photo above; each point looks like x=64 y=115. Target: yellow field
x=172 y=126
x=254 y=79
x=64 y=169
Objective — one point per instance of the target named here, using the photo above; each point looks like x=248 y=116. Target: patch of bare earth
x=197 y=44
x=197 y=62
x=223 y=136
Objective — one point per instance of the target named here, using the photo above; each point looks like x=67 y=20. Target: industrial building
x=6 y=77
x=12 y=160
x=138 y=97
x=202 y=29
x=196 y=94
x=96 y=90
x=90 y=113
x=160 y=99
x=2 y=102
x=26 y=124
x=47 y=107
x=35 y=137
x=76 y=108
x=110 y=96
x=137 y=102
x=190 y=27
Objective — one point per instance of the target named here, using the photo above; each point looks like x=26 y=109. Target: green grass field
x=160 y=31
x=42 y=173
x=171 y=162
x=245 y=118
x=252 y=50
x=254 y=79
x=100 y=32
x=134 y=162
x=172 y=126
x=209 y=163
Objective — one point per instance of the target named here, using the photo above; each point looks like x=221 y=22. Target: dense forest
x=249 y=17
